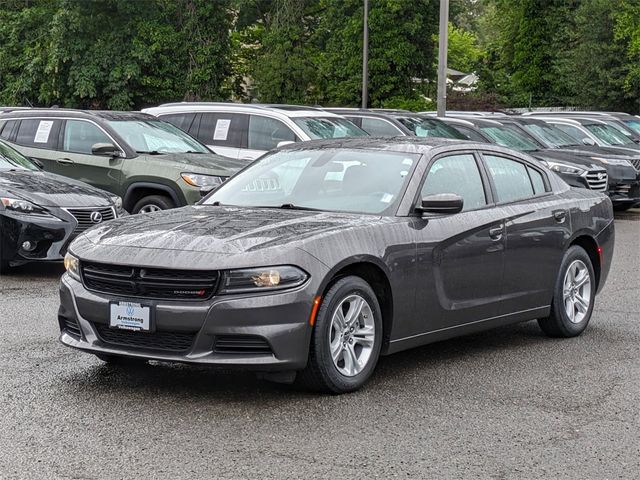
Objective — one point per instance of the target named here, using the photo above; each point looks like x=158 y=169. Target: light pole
x=443 y=42
x=365 y=56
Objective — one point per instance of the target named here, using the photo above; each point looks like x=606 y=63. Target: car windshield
x=507 y=137
x=155 y=136
x=10 y=159
x=426 y=127
x=344 y=180
x=608 y=134
x=551 y=135
x=328 y=127
x=633 y=124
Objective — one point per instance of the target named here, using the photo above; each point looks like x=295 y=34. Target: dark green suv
x=151 y=164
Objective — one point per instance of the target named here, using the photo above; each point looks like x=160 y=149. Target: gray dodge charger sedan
x=320 y=257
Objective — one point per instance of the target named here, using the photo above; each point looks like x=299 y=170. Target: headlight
x=262 y=279
x=24 y=206
x=614 y=161
x=205 y=182
x=566 y=168
x=72 y=265
x=117 y=201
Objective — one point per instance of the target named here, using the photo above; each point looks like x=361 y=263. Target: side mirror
x=444 y=203
x=283 y=143
x=37 y=163
x=589 y=141
x=105 y=149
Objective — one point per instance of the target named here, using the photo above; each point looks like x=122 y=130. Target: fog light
x=29 y=246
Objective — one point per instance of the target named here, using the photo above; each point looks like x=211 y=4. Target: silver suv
x=245 y=132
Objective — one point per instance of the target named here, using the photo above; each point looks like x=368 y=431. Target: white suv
x=246 y=131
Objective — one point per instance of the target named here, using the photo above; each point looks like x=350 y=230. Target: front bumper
x=260 y=332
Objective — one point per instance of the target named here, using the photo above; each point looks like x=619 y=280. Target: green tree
x=627 y=32
x=464 y=53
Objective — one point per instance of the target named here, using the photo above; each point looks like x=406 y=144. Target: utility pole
x=443 y=42
x=365 y=56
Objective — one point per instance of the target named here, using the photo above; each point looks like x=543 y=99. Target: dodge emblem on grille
x=96 y=217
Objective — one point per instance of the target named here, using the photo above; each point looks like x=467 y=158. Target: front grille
x=70 y=325
x=165 y=341
x=597 y=180
x=83 y=217
x=636 y=163
x=149 y=282
x=621 y=189
x=244 y=344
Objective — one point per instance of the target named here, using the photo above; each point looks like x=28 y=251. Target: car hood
x=201 y=162
x=50 y=190
x=576 y=157
x=598 y=150
x=227 y=230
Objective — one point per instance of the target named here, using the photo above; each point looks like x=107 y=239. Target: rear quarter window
x=38 y=133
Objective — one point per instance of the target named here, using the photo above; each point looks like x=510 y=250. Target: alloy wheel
x=576 y=291
x=149 y=208
x=352 y=335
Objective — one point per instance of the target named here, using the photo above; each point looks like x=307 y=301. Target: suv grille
x=636 y=163
x=167 y=341
x=597 y=180
x=241 y=344
x=83 y=217
x=149 y=282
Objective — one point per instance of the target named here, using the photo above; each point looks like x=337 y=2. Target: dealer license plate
x=130 y=316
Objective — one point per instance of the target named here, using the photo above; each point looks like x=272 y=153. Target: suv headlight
x=204 y=182
x=565 y=168
x=72 y=265
x=262 y=279
x=117 y=201
x=24 y=206
x=614 y=161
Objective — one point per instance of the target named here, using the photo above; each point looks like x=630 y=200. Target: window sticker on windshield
x=386 y=198
x=407 y=161
x=44 y=129
x=222 y=129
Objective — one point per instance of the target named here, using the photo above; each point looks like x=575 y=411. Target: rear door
x=75 y=159
x=224 y=133
x=460 y=256
x=264 y=134
x=537 y=226
x=38 y=138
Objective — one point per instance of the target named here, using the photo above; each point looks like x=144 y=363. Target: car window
x=340 y=179
x=552 y=135
x=457 y=174
x=81 y=136
x=430 y=127
x=537 y=180
x=506 y=137
x=11 y=159
x=328 y=127
x=510 y=178
x=181 y=120
x=609 y=134
x=38 y=133
x=573 y=132
x=633 y=124
x=379 y=128
x=471 y=134
x=266 y=133
x=223 y=129
x=6 y=128
x=155 y=136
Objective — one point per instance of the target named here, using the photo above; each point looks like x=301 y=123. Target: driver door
x=75 y=159
x=461 y=256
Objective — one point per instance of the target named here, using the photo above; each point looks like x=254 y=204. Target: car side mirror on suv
x=444 y=203
x=589 y=141
x=283 y=143
x=105 y=149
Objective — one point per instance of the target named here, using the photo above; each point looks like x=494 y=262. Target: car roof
x=571 y=120
x=407 y=144
x=523 y=120
x=73 y=113
x=472 y=120
x=291 y=111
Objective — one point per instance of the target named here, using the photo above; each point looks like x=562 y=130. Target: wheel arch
x=138 y=190
x=374 y=272
x=589 y=244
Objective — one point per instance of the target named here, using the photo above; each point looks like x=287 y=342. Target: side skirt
x=465 y=329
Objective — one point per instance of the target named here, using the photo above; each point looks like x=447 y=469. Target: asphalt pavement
x=508 y=403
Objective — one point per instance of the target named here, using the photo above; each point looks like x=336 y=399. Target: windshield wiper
x=150 y=152
x=291 y=206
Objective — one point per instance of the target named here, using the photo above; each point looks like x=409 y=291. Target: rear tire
x=153 y=203
x=573 y=297
x=346 y=339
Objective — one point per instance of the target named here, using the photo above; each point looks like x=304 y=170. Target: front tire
x=573 y=297
x=346 y=340
x=153 y=203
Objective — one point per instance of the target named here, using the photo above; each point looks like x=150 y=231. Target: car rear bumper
x=259 y=332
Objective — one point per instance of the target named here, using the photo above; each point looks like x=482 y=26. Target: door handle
x=496 y=232
x=64 y=161
x=559 y=215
